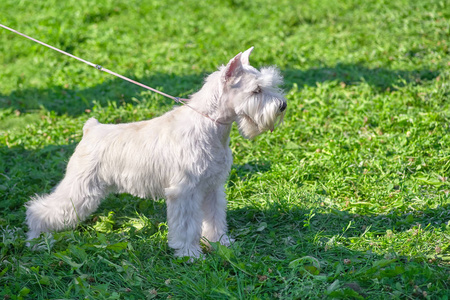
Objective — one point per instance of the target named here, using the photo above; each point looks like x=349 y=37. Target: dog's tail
x=71 y=202
x=89 y=124
x=44 y=215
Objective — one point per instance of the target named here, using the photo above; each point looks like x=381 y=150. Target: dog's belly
x=138 y=180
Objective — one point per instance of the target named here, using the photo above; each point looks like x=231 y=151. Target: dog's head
x=255 y=96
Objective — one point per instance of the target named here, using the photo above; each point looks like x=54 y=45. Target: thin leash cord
x=99 y=67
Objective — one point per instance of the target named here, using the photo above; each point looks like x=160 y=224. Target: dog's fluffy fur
x=182 y=156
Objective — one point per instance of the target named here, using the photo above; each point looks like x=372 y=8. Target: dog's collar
x=205 y=115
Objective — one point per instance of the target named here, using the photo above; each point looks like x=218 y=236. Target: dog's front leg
x=214 y=227
x=184 y=218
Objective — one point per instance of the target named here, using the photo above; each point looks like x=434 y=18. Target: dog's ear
x=245 y=56
x=233 y=69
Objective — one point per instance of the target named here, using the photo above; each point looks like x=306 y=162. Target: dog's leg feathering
x=214 y=227
x=184 y=217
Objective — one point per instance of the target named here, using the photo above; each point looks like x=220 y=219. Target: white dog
x=182 y=156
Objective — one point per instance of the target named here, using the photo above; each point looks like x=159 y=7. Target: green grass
x=348 y=199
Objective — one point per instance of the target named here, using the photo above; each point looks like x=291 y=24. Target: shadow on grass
x=352 y=74
x=24 y=173
x=75 y=101
x=361 y=253
x=246 y=171
x=335 y=222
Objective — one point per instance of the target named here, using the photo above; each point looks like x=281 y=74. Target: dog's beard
x=248 y=128
x=265 y=119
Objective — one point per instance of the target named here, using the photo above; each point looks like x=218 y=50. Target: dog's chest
x=217 y=163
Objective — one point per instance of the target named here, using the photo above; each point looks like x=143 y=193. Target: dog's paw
x=32 y=234
x=44 y=241
x=193 y=253
x=225 y=240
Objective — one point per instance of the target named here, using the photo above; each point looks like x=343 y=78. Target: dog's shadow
x=300 y=229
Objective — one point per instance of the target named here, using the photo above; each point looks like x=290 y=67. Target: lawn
x=347 y=199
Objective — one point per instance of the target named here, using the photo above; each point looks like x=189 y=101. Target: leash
x=100 y=68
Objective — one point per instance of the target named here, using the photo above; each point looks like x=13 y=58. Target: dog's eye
x=257 y=90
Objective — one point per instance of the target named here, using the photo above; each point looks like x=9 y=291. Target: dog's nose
x=283 y=106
